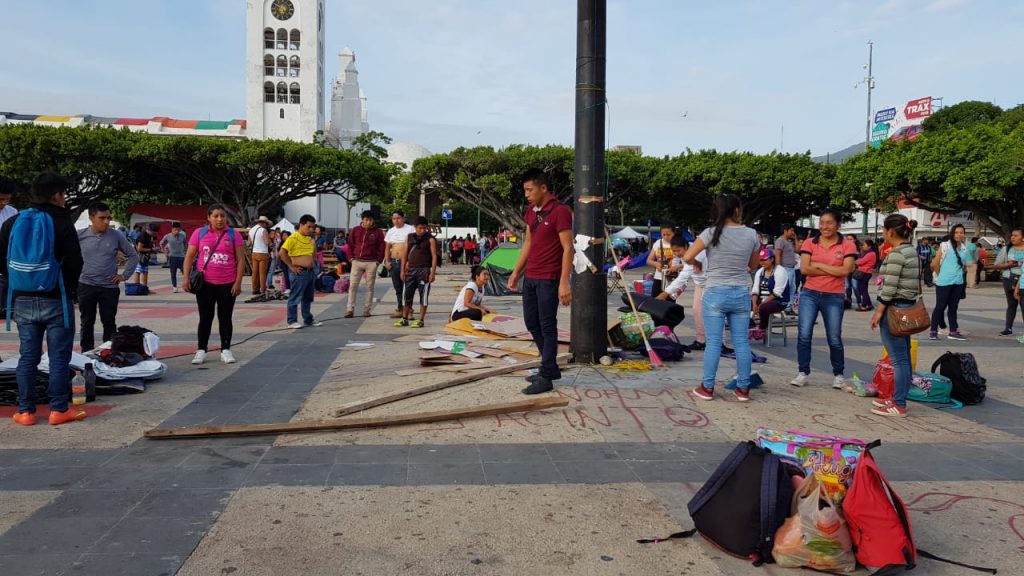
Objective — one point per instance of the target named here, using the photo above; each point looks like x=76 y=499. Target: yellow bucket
x=913 y=353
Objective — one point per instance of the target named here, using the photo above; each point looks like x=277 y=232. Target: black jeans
x=91 y=297
x=215 y=297
x=540 y=309
x=1012 y=304
x=863 y=296
x=947 y=298
x=396 y=281
x=926 y=271
x=176 y=264
x=471 y=313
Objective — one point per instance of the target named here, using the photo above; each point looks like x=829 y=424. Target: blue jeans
x=176 y=264
x=302 y=293
x=35 y=317
x=899 y=354
x=270 y=273
x=831 y=308
x=540 y=309
x=718 y=304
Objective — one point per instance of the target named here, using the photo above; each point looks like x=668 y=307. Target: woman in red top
x=862 y=274
x=825 y=261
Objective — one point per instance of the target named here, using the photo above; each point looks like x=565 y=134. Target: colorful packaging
x=831 y=458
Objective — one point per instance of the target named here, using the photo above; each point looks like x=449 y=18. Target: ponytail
x=724 y=207
x=900 y=225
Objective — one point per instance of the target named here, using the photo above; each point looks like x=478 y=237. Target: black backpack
x=742 y=505
x=961 y=368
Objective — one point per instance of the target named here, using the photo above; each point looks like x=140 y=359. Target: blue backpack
x=31 y=265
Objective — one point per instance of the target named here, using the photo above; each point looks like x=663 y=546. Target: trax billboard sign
x=920 y=108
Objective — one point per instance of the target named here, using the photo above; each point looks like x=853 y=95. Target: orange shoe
x=72 y=414
x=25 y=418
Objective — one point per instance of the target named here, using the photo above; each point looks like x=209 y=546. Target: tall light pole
x=869 y=81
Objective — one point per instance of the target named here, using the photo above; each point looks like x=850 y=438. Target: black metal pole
x=589 y=288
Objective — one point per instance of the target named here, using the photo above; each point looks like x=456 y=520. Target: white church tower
x=348 y=103
x=284 y=94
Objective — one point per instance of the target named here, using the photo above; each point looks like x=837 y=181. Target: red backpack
x=883 y=540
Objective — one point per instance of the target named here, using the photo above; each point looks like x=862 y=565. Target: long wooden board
x=360 y=405
x=354 y=423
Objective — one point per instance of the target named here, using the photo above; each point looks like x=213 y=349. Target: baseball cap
x=766 y=254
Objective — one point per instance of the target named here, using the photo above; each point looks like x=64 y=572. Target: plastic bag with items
x=815 y=535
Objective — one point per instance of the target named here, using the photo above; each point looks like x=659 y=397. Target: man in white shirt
x=8 y=188
x=395 y=239
x=258 y=235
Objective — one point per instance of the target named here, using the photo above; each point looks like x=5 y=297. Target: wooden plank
x=357 y=423
x=492 y=352
x=360 y=405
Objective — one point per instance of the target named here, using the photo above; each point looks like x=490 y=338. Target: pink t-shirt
x=832 y=256
x=222 y=266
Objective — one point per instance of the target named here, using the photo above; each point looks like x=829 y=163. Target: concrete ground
x=565 y=491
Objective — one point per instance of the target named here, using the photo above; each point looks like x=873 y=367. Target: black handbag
x=859 y=274
x=196 y=277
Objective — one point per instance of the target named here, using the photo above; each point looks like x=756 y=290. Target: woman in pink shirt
x=219 y=253
x=862 y=274
x=825 y=261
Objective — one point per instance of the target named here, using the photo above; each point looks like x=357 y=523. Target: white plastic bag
x=815 y=535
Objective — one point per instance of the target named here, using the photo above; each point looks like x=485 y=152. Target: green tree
x=96 y=160
x=262 y=175
x=978 y=168
x=962 y=115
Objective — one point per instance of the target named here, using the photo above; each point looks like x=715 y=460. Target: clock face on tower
x=282 y=9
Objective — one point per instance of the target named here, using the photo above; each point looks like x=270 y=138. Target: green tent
x=499 y=264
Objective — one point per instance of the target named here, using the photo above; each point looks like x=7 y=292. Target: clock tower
x=284 y=93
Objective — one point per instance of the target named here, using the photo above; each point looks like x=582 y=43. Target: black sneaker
x=1006 y=333
x=539 y=385
x=727 y=350
x=697 y=345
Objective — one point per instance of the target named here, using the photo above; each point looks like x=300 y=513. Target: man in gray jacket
x=100 y=280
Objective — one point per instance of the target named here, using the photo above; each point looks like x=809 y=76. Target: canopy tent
x=499 y=264
x=285 y=225
x=627 y=233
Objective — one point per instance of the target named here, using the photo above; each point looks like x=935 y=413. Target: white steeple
x=348 y=103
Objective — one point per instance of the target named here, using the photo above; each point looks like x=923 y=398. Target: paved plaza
x=565 y=491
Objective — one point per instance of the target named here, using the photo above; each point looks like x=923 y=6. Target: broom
x=651 y=354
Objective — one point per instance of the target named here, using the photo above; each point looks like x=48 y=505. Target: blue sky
x=748 y=75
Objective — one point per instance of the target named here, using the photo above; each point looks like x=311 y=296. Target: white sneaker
x=175 y=290
x=288 y=291
x=295 y=325
x=227 y=357
x=838 y=382
x=200 y=357
x=315 y=324
x=800 y=379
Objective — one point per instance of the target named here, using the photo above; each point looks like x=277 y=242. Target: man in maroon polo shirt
x=547 y=259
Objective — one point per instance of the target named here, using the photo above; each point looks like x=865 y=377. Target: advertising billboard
x=901 y=122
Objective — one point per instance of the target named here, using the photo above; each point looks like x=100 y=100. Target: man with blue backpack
x=42 y=260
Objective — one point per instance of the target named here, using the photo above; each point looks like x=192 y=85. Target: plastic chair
x=778 y=319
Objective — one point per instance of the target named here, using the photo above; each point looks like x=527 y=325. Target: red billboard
x=920 y=108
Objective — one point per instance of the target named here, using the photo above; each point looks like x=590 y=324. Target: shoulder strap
x=214 y=249
x=939 y=361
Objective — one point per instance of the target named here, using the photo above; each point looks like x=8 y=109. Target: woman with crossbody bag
x=950 y=282
x=899 y=312
x=1010 y=262
x=219 y=254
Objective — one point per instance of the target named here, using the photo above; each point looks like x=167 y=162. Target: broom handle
x=629 y=295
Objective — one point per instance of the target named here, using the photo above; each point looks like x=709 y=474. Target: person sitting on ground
x=419 y=268
x=770 y=292
x=470 y=301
